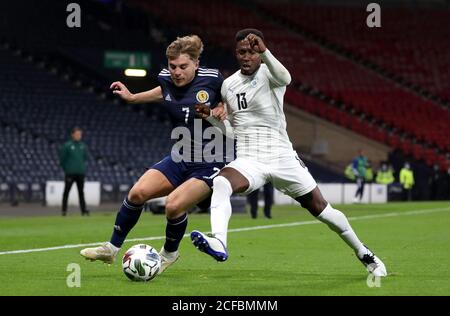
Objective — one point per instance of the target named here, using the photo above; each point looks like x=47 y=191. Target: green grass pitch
x=413 y=240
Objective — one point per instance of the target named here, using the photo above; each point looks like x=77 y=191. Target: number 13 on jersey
x=242 y=101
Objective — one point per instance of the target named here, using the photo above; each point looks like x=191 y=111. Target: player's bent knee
x=174 y=208
x=316 y=208
x=236 y=180
x=320 y=205
x=138 y=195
x=222 y=183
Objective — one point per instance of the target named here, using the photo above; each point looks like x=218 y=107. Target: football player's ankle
x=170 y=255
x=114 y=248
x=222 y=237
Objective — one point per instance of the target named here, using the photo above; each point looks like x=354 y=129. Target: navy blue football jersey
x=179 y=102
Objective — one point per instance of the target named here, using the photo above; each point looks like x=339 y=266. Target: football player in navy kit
x=185 y=178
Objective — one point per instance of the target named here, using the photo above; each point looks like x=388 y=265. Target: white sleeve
x=224 y=126
x=223 y=92
x=279 y=75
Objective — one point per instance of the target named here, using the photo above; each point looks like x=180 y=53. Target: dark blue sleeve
x=163 y=82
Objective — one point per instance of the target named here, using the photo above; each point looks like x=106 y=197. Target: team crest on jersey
x=202 y=96
x=254 y=82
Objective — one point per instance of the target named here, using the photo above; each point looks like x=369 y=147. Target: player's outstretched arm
x=217 y=117
x=204 y=111
x=280 y=74
x=154 y=95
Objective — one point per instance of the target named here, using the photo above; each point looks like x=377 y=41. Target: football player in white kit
x=254 y=104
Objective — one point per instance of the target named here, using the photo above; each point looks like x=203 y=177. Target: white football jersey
x=255 y=110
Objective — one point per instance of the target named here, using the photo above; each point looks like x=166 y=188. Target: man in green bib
x=72 y=158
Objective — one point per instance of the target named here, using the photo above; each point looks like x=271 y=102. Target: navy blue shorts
x=179 y=172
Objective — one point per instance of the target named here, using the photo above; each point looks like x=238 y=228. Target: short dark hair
x=242 y=34
x=76 y=129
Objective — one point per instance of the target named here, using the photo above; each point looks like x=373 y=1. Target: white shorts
x=288 y=174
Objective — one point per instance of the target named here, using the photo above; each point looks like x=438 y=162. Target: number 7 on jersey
x=185 y=109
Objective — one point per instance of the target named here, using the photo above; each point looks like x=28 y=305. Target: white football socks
x=221 y=207
x=337 y=222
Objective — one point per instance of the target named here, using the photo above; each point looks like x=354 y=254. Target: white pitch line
x=353 y=218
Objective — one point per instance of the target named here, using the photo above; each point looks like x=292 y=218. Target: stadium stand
x=349 y=94
x=39 y=109
x=53 y=78
x=42 y=98
x=411 y=43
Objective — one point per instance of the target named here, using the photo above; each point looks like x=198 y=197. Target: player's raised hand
x=121 y=90
x=219 y=112
x=256 y=43
x=202 y=110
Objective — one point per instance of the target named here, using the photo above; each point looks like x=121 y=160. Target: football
x=141 y=263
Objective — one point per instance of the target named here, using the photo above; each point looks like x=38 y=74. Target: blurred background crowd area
x=384 y=90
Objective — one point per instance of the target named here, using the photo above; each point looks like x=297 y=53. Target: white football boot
x=209 y=245
x=373 y=264
x=167 y=259
x=106 y=253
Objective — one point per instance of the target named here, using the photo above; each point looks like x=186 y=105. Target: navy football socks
x=126 y=219
x=175 y=230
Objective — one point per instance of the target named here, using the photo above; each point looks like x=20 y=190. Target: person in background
x=368 y=177
x=348 y=172
x=385 y=174
x=437 y=183
x=252 y=199
x=407 y=181
x=72 y=158
x=359 y=165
